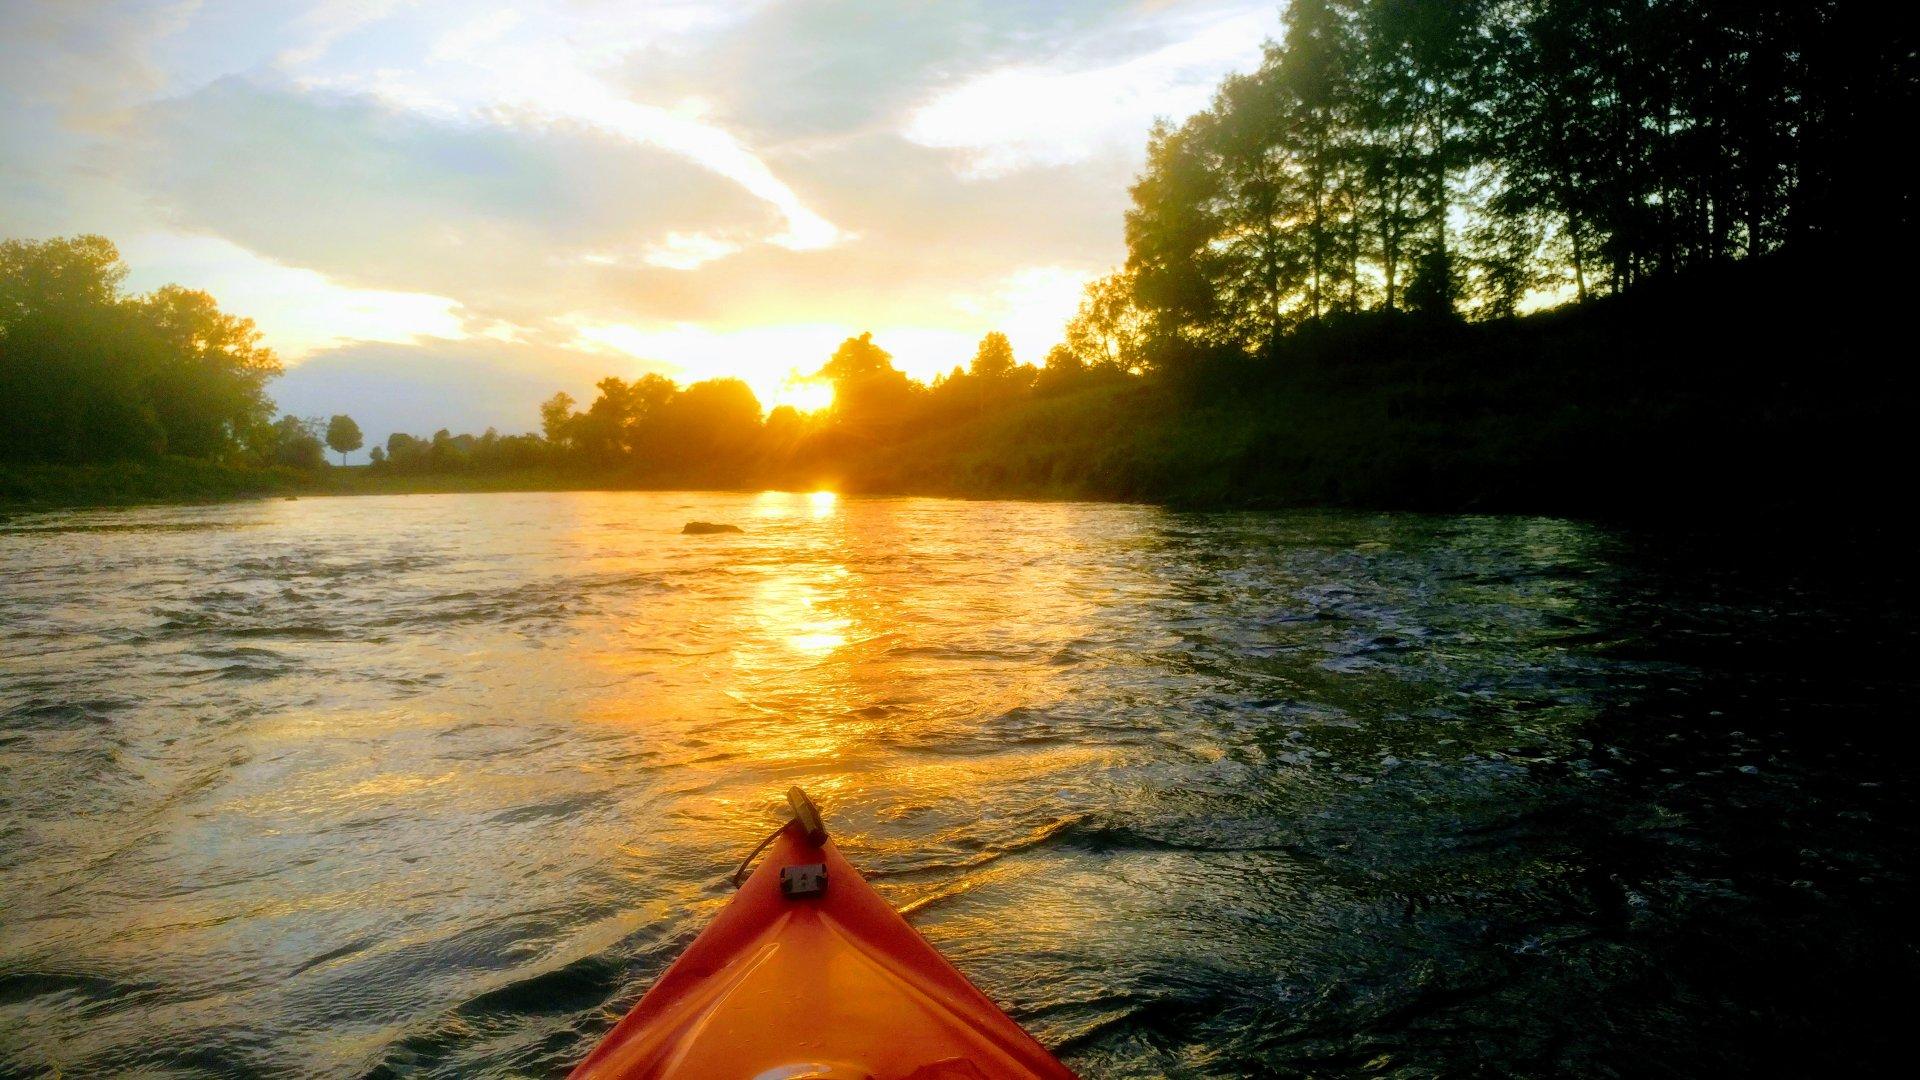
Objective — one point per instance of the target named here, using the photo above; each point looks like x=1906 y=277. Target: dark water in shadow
x=436 y=785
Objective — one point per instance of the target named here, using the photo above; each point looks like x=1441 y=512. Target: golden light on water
x=822 y=502
x=816 y=643
x=813 y=630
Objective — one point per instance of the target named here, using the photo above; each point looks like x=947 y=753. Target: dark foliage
x=1321 y=301
x=88 y=373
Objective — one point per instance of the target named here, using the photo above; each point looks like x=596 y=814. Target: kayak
x=809 y=973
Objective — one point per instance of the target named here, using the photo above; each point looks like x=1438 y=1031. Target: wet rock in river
x=707 y=528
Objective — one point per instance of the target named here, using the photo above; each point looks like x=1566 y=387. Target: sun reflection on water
x=816 y=643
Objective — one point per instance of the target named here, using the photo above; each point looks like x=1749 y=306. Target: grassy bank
x=37 y=486
x=32 y=485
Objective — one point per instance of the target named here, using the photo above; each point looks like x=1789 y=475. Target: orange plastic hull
x=829 y=985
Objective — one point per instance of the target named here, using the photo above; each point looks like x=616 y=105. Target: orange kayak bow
x=808 y=973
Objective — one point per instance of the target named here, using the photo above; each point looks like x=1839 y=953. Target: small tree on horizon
x=343 y=436
x=994 y=359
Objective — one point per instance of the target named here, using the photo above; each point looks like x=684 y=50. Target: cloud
x=298 y=310
x=326 y=23
x=1052 y=114
x=526 y=223
x=71 y=75
x=548 y=72
x=804 y=71
x=88 y=60
x=685 y=251
x=586 y=101
x=495 y=215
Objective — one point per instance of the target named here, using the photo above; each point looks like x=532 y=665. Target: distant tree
x=870 y=396
x=783 y=427
x=445 y=452
x=295 y=442
x=711 y=422
x=993 y=360
x=857 y=358
x=343 y=436
x=1064 y=368
x=557 y=419
x=619 y=421
x=405 y=452
x=377 y=455
x=1109 y=330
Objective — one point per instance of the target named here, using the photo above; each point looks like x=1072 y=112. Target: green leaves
x=88 y=373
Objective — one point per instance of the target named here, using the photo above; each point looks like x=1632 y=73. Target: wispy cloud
x=503 y=67
x=324 y=24
x=1065 y=111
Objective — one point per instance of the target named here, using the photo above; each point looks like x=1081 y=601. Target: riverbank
x=31 y=486
x=1636 y=406
x=37 y=485
x=1759 y=387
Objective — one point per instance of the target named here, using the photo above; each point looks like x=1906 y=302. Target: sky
x=440 y=213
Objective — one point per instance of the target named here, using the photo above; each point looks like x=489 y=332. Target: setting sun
x=806 y=395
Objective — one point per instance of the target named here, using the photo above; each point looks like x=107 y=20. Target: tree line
x=1389 y=164
x=1472 y=157
x=89 y=372
x=716 y=430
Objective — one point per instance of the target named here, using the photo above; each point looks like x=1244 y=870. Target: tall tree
x=1313 y=78
x=208 y=385
x=1170 y=232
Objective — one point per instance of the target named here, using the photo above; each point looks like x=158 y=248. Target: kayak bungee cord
x=808 y=817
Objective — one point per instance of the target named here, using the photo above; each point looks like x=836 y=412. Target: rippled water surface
x=435 y=785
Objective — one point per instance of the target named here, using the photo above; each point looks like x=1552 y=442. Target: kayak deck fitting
x=809 y=973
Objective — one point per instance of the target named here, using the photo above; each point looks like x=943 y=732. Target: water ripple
x=435 y=786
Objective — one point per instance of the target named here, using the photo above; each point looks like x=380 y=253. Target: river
x=436 y=785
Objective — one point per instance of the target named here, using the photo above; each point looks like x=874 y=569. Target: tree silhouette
x=292 y=441
x=89 y=373
x=1475 y=155
x=557 y=419
x=1109 y=330
x=993 y=360
x=871 y=398
x=343 y=436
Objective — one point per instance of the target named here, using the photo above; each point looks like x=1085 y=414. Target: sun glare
x=806 y=395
